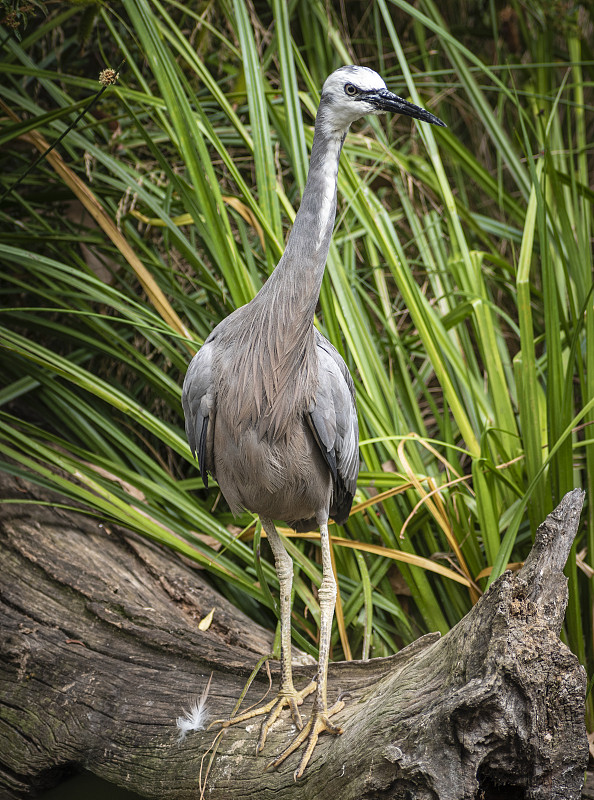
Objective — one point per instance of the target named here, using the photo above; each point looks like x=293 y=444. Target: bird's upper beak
x=384 y=100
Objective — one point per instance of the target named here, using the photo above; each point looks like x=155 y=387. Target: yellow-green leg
x=287 y=695
x=320 y=717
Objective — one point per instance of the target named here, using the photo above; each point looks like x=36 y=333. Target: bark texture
x=100 y=651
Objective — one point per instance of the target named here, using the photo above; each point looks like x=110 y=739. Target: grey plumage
x=281 y=437
x=269 y=402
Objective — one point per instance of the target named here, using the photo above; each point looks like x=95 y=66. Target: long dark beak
x=384 y=100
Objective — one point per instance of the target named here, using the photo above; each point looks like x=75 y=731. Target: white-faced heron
x=270 y=405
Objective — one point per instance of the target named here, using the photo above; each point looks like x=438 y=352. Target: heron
x=269 y=403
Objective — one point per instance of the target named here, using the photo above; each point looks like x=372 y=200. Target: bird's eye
x=350 y=89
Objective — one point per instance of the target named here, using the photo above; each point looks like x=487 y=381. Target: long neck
x=298 y=275
x=277 y=361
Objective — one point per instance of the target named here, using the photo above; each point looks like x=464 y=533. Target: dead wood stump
x=100 y=651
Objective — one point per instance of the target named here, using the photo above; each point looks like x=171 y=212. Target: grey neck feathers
x=276 y=341
x=298 y=276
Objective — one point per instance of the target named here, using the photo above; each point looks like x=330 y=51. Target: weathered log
x=100 y=651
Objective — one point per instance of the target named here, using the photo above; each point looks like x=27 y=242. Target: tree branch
x=101 y=652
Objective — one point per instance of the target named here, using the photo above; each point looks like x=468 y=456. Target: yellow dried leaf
x=206 y=621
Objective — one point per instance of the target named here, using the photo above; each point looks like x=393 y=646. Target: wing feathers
x=333 y=418
x=198 y=405
x=202 y=451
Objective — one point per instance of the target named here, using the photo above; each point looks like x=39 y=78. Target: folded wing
x=198 y=405
x=333 y=420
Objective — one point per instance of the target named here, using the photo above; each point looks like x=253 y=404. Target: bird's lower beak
x=384 y=100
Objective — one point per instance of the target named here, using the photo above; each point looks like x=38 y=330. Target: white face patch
x=346 y=109
x=362 y=77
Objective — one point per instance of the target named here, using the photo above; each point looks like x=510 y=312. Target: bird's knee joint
x=284 y=569
x=327 y=591
x=283 y=562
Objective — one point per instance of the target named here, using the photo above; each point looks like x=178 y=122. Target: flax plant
x=458 y=286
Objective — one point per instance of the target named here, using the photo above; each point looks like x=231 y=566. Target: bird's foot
x=286 y=697
x=318 y=723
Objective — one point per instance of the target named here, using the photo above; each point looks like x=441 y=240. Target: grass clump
x=458 y=287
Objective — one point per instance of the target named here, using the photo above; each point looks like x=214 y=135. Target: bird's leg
x=319 y=720
x=287 y=695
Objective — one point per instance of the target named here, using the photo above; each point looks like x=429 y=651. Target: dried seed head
x=108 y=77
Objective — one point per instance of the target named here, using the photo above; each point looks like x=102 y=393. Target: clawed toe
x=318 y=723
x=287 y=697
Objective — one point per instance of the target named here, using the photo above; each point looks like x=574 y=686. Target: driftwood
x=100 y=651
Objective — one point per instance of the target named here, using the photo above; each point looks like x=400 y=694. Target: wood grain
x=100 y=651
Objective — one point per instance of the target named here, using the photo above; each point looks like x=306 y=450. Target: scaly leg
x=287 y=696
x=319 y=720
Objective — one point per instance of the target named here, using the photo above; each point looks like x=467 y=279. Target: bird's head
x=353 y=92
